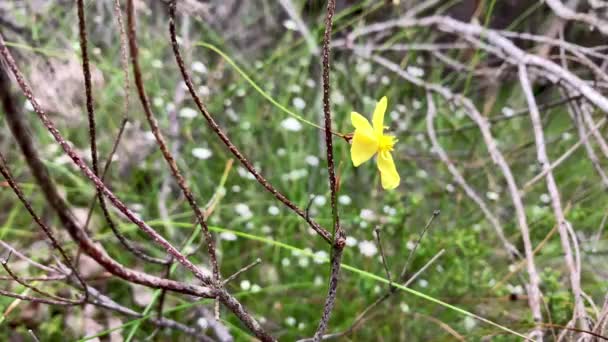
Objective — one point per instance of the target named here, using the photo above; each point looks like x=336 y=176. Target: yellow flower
x=370 y=139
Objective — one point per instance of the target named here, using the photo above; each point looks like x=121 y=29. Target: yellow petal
x=378 y=117
x=364 y=146
x=388 y=172
x=361 y=123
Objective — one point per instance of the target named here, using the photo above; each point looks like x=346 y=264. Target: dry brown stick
x=24 y=257
x=392 y=290
x=93 y=141
x=38 y=169
x=338 y=236
x=34 y=299
x=226 y=140
x=241 y=271
x=383 y=256
x=168 y=156
x=47 y=231
x=4 y=263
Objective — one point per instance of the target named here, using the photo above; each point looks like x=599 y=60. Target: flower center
x=386 y=143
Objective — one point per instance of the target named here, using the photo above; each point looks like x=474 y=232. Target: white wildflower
x=415 y=71
x=290 y=25
x=299 y=103
x=228 y=236
x=291 y=124
x=199 y=67
x=245 y=285
x=367 y=214
x=351 y=241
x=368 y=248
x=312 y=160
x=202 y=153
x=273 y=210
x=243 y=210
x=344 y=200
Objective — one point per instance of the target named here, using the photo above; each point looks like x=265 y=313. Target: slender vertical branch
x=181 y=181
x=339 y=239
x=562 y=224
x=86 y=70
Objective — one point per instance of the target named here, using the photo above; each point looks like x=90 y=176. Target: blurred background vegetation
x=286 y=291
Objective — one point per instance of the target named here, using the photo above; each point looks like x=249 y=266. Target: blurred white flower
x=294 y=88
x=158 y=101
x=449 y=188
x=255 y=288
x=351 y=241
x=245 y=285
x=320 y=200
x=337 y=97
x=202 y=153
x=423 y=283
x=204 y=90
x=367 y=214
x=320 y=257
x=157 y=64
x=285 y=262
x=507 y=111
x=202 y=323
x=545 y=198
x=290 y=25
x=469 y=323
x=299 y=103
x=273 y=210
x=303 y=261
x=310 y=83
x=236 y=188
x=491 y=195
x=188 y=113
x=291 y=124
x=363 y=68
x=243 y=210
x=199 y=67
x=344 y=200
x=368 y=248
x=415 y=71
x=311 y=160
x=290 y=321
x=228 y=236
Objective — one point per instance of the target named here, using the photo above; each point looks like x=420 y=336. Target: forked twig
x=226 y=140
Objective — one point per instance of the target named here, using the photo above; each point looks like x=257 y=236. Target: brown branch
x=241 y=271
x=21 y=134
x=226 y=140
x=338 y=238
x=47 y=231
x=15 y=277
x=383 y=256
x=139 y=84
